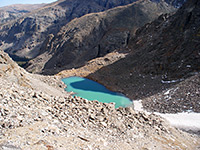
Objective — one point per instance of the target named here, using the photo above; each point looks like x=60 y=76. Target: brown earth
x=39 y=115
x=94 y=35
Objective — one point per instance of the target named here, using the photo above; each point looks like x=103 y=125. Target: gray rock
x=8 y=146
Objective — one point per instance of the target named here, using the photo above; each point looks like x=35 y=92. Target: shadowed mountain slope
x=163 y=53
x=24 y=36
x=175 y=3
x=94 y=35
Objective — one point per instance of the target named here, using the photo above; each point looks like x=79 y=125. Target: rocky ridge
x=94 y=35
x=12 y=12
x=161 y=57
x=27 y=36
x=24 y=36
x=33 y=117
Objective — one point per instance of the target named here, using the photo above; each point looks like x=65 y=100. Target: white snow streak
x=185 y=121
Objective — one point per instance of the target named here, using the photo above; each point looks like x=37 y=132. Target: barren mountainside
x=94 y=35
x=156 y=62
x=160 y=66
x=175 y=3
x=12 y=12
x=25 y=36
x=35 y=113
x=163 y=53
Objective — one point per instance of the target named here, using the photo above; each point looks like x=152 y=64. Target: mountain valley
x=94 y=35
x=29 y=35
x=146 y=50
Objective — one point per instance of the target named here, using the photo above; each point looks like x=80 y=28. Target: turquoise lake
x=92 y=90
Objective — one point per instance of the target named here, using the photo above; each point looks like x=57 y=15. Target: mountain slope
x=155 y=67
x=94 y=35
x=32 y=117
x=163 y=53
x=11 y=73
x=12 y=12
x=175 y=3
x=24 y=36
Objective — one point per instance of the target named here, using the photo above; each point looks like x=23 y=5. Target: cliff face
x=94 y=35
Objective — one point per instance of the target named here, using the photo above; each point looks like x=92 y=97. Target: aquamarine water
x=92 y=90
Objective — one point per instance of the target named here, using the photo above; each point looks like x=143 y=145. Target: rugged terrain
x=160 y=58
x=175 y=3
x=12 y=12
x=24 y=36
x=163 y=54
x=36 y=113
x=31 y=34
x=94 y=35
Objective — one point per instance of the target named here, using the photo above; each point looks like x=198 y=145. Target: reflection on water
x=92 y=90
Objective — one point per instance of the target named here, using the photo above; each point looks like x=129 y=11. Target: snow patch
x=185 y=121
x=166 y=93
x=138 y=105
x=171 y=81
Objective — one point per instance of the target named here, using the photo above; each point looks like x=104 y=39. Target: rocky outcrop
x=12 y=12
x=35 y=118
x=163 y=53
x=157 y=64
x=175 y=3
x=24 y=36
x=94 y=35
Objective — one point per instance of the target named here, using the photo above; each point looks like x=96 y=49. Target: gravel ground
x=40 y=115
x=182 y=97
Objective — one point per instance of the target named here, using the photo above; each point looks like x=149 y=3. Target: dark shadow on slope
x=126 y=76
x=164 y=53
x=89 y=85
x=123 y=77
x=106 y=36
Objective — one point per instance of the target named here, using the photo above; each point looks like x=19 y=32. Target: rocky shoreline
x=61 y=117
x=171 y=98
x=41 y=115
